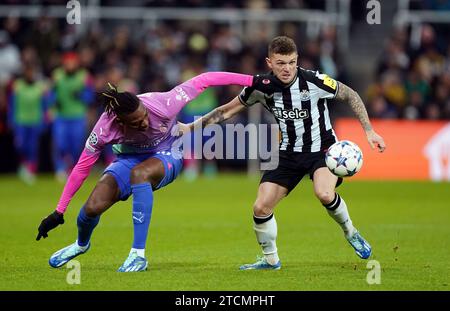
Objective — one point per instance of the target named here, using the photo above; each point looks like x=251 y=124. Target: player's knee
x=139 y=175
x=94 y=207
x=261 y=208
x=325 y=196
x=144 y=174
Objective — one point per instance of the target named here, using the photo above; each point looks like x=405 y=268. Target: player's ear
x=268 y=62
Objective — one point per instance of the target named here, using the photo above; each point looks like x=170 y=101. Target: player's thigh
x=160 y=170
x=324 y=184
x=269 y=194
x=104 y=195
x=173 y=164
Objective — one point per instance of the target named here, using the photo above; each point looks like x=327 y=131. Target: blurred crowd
x=413 y=82
x=50 y=73
x=47 y=65
x=429 y=5
x=279 y=4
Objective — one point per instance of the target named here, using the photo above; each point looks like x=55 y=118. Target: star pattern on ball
x=341 y=161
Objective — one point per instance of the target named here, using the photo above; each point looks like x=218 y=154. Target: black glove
x=48 y=223
x=266 y=83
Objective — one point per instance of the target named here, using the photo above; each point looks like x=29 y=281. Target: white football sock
x=140 y=252
x=338 y=211
x=266 y=234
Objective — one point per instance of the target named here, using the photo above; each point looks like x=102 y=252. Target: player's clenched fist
x=49 y=223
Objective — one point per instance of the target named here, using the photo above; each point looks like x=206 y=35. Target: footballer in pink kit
x=141 y=131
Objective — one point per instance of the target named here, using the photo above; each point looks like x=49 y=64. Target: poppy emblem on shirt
x=266 y=81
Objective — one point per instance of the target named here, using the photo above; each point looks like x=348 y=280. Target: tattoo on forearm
x=346 y=94
x=215 y=116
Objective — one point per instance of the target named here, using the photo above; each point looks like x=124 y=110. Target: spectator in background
x=387 y=97
x=430 y=62
x=116 y=76
x=45 y=38
x=156 y=57
x=394 y=57
x=414 y=84
x=312 y=55
x=380 y=108
x=441 y=95
x=9 y=59
x=3 y=109
x=440 y=5
x=73 y=93
x=14 y=27
x=26 y=118
x=429 y=94
x=328 y=52
x=418 y=93
x=9 y=67
x=445 y=80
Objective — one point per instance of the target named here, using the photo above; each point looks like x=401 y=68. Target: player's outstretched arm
x=217 y=115
x=76 y=179
x=182 y=94
x=346 y=94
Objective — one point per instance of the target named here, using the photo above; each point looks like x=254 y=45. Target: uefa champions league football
x=344 y=158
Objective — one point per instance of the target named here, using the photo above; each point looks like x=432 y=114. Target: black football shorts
x=292 y=166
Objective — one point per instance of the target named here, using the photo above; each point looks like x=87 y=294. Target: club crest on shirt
x=304 y=95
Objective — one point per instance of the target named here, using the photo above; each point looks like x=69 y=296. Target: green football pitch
x=202 y=231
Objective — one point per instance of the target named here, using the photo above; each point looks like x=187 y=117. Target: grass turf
x=202 y=231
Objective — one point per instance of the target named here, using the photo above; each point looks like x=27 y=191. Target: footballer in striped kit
x=298 y=99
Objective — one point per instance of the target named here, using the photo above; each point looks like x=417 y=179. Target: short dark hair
x=118 y=103
x=282 y=45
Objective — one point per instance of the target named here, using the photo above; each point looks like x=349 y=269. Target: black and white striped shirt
x=299 y=108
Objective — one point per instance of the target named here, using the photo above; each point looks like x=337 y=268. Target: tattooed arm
x=217 y=115
x=346 y=94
